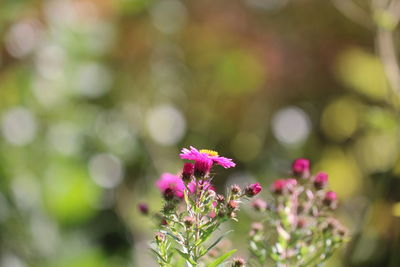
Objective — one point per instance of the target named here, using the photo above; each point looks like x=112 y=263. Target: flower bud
x=235 y=189
x=257 y=227
x=221 y=214
x=330 y=199
x=233 y=205
x=169 y=206
x=187 y=172
x=253 y=189
x=188 y=221
x=143 y=208
x=202 y=168
x=301 y=167
x=163 y=221
x=160 y=237
x=281 y=186
x=278 y=186
x=259 y=205
x=320 y=180
x=238 y=262
x=301 y=223
x=220 y=198
x=169 y=194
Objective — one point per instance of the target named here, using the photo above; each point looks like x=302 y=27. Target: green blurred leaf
x=221 y=259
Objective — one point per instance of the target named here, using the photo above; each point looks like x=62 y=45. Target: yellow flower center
x=209 y=152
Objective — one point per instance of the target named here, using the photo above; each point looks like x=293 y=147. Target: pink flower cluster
x=193 y=175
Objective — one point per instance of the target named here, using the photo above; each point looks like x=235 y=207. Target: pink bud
x=188 y=170
x=330 y=198
x=284 y=185
x=301 y=167
x=278 y=186
x=143 y=208
x=320 y=180
x=253 y=189
x=259 y=205
x=202 y=167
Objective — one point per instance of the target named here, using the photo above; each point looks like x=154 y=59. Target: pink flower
x=320 y=180
x=301 y=167
x=282 y=185
x=170 y=184
x=253 y=189
x=206 y=155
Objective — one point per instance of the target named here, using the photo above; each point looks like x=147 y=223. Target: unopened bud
x=253 y=190
x=320 y=180
x=220 y=198
x=160 y=237
x=238 y=262
x=187 y=172
x=330 y=199
x=235 y=189
x=143 y=208
x=189 y=221
x=259 y=205
x=233 y=205
x=301 y=167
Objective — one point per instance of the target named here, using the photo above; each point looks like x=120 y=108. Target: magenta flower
x=206 y=155
x=253 y=189
x=320 y=180
x=301 y=167
x=171 y=184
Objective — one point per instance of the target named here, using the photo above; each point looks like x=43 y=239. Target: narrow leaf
x=222 y=258
x=186 y=257
x=158 y=255
x=216 y=242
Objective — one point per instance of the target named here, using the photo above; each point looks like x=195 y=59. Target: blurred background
x=97 y=97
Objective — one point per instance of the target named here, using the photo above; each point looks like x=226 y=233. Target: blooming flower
x=301 y=167
x=171 y=184
x=206 y=155
x=253 y=189
x=320 y=180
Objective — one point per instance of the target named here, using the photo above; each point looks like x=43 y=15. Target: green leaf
x=206 y=234
x=158 y=255
x=222 y=258
x=216 y=242
x=186 y=257
x=177 y=239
